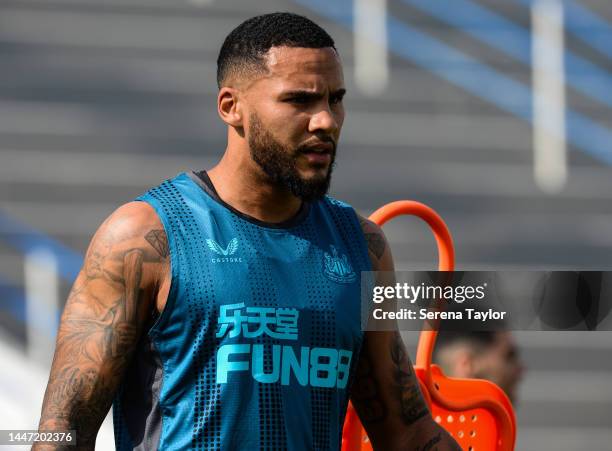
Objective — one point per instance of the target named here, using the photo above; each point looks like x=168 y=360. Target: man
x=491 y=355
x=221 y=310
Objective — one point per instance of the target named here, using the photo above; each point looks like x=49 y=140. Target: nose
x=324 y=121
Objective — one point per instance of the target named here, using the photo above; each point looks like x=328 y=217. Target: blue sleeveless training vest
x=258 y=341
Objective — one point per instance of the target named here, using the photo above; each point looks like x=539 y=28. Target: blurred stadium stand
x=99 y=101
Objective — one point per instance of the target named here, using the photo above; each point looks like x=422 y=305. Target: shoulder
x=132 y=215
x=132 y=223
x=132 y=236
x=376 y=240
x=378 y=246
x=368 y=226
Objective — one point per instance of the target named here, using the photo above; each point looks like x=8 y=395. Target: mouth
x=323 y=147
x=319 y=153
x=318 y=157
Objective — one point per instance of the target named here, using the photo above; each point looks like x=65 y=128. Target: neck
x=243 y=185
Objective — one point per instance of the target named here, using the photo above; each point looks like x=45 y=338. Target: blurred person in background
x=490 y=355
x=221 y=310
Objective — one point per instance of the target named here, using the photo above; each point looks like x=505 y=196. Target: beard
x=279 y=163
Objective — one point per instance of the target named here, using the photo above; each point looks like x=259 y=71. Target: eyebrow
x=312 y=94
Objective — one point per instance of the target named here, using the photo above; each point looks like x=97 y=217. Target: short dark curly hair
x=244 y=48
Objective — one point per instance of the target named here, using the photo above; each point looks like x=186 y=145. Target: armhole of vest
x=162 y=319
x=363 y=245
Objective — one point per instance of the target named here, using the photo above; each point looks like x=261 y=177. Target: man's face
x=294 y=118
x=500 y=363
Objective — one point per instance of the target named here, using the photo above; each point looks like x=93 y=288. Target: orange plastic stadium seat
x=477 y=413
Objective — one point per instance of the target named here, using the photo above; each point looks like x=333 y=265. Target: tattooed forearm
x=101 y=324
x=412 y=405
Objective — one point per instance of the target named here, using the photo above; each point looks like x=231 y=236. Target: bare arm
x=111 y=302
x=386 y=391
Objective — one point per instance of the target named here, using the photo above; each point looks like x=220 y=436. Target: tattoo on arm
x=98 y=335
x=412 y=405
x=374 y=239
x=132 y=271
x=376 y=244
x=159 y=241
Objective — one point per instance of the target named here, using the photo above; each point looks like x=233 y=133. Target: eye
x=335 y=100
x=299 y=100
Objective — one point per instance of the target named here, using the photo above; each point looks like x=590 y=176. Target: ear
x=229 y=106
